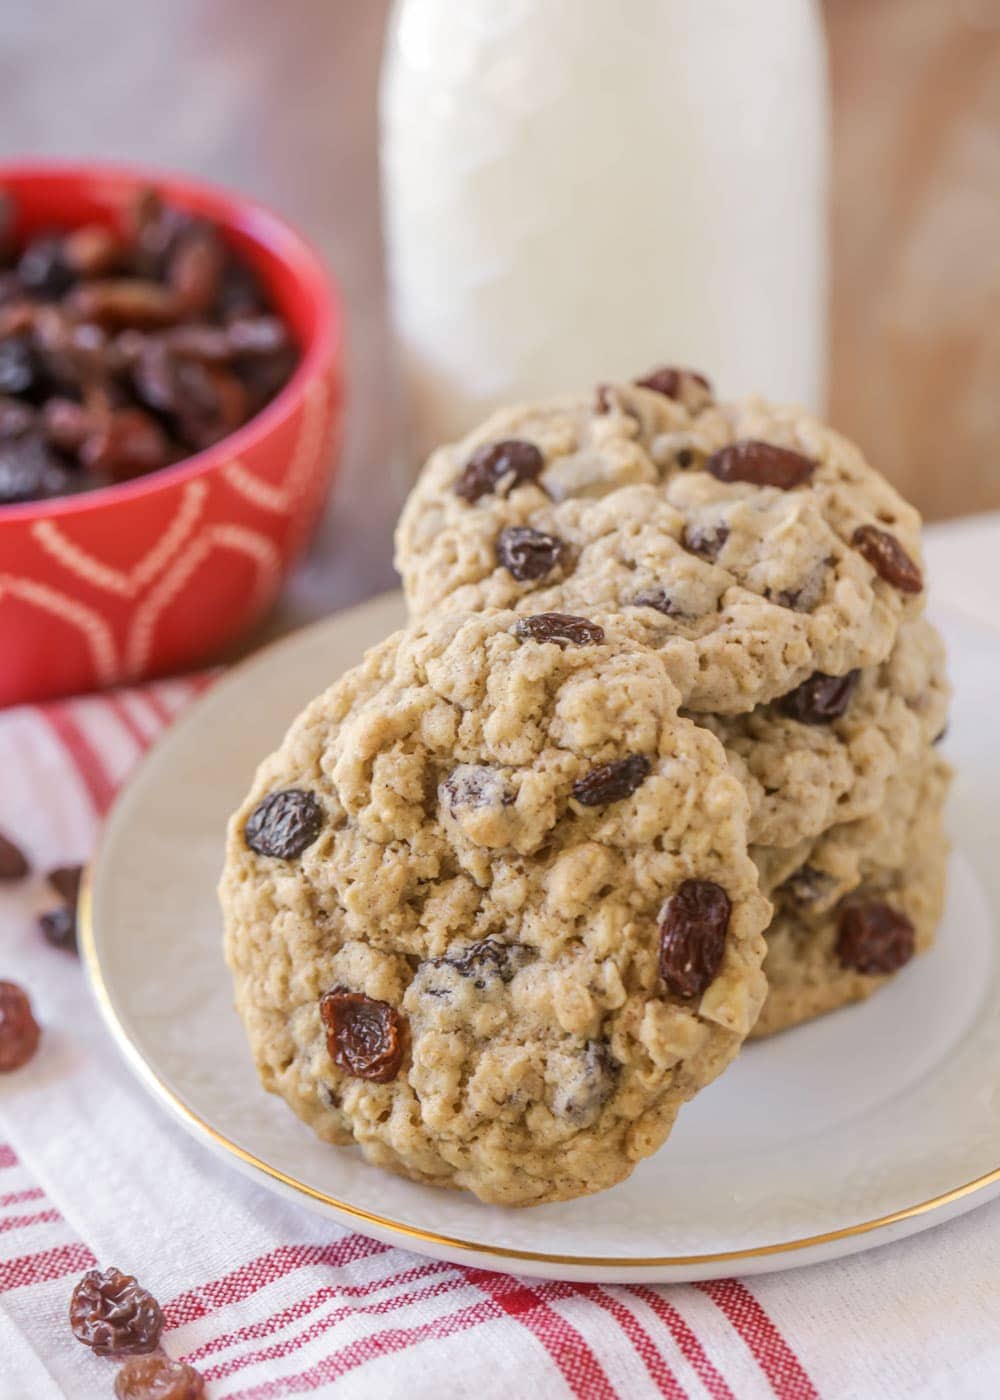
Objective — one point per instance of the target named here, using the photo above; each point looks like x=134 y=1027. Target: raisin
x=126 y=443
x=511 y=460
x=17 y=316
x=114 y=1315
x=821 y=699
x=226 y=406
x=43 y=268
x=804 y=886
x=581 y=1094
x=602 y=399
x=90 y=342
x=365 y=1038
x=30 y=472
x=475 y=785
x=158 y=1378
x=673 y=383
x=257 y=335
x=11 y=291
x=611 y=782
x=19 y=368
x=528 y=554
x=940 y=736
x=196 y=340
x=13 y=862
x=121 y=301
x=66 y=424
x=805 y=595
x=204 y=401
x=194 y=270
x=283 y=824
x=562 y=628
x=92 y=250
x=706 y=540
x=19 y=1033
x=483 y=960
x=16 y=417
x=126 y=348
x=874 y=938
x=263 y=376
x=157 y=226
x=888 y=558
x=657 y=598
x=155 y=375
x=58 y=927
x=761 y=463
x=65 y=880
x=71 y=356
x=693 y=930
x=239 y=294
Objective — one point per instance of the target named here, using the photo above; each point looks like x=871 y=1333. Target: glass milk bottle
x=576 y=190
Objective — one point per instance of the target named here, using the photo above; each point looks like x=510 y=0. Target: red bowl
x=157 y=575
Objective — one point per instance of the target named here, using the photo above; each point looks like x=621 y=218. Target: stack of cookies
x=664 y=716
x=779 y=576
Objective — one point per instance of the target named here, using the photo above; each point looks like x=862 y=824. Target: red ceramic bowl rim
x=230 y=209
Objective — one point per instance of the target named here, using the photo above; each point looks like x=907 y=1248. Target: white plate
x=873 y=1123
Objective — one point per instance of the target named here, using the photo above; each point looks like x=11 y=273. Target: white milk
x=582 y=189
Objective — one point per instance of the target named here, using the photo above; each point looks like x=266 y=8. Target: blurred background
x=280 y=101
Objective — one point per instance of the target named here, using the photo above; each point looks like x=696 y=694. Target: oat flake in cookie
x=526 y=928
x=751 y=543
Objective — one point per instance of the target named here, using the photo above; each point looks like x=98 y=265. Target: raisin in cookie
x=751 y=543
x=489 y=908
x=818 y=962
x=824 y=754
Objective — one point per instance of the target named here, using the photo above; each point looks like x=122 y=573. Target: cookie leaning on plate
x=489 y=908
x=751 y=542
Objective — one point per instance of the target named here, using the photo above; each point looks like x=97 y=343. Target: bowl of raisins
x=171 y=361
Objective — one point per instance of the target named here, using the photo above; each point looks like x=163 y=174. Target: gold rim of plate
x=149 y=1076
